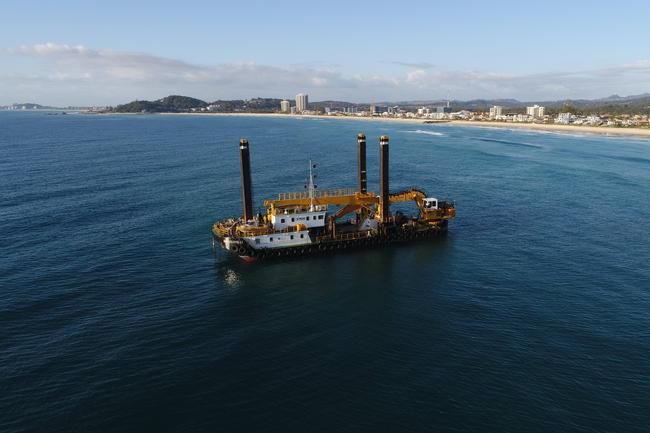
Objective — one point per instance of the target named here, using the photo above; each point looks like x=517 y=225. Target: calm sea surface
x=532 y=315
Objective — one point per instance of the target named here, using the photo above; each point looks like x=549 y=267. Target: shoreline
x=567 y=129
x=302 y=116
x=535 y=127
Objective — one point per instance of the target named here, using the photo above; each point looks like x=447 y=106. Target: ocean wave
x=420 y=131
x=511 y=143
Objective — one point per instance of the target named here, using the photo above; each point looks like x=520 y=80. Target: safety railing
x=346 y=236
x=317 y=194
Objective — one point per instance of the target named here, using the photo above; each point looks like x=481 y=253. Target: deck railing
x=299 y=195
x=346 y=236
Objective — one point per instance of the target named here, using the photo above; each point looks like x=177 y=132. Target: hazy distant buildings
x=378 y=110
x=285 y=106
x=302 y=102
x=564 y=118
x=446 y=109
x=594 y=120
x=536 y=112
x=496 y=111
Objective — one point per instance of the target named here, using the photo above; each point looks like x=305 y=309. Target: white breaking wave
x=420 y=131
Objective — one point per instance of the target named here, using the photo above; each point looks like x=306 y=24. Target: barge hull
x=249 y=254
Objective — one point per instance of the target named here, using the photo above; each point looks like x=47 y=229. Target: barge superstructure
x=311 y=222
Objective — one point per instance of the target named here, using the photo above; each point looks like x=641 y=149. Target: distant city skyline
x=76 y=53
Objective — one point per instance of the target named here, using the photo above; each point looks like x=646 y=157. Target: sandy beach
x=310 y=116
x=568 y=129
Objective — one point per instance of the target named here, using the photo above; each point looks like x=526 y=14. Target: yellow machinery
x=430 y=208
x=350 y=201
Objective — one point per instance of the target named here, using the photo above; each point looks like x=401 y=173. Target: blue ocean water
x=531 y=315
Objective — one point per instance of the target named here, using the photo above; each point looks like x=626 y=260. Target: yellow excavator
x=431 y=209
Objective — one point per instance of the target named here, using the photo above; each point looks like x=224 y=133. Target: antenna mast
x=312 y=187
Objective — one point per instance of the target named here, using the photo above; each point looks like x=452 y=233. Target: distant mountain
x=440 y=102
x=334 y=104
x=637 y=104
x=615 y=98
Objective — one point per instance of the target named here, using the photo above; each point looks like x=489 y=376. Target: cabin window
x=302 y=235
x=257 y=240
x=270 y=239
x=282 y=220
x=308 y=218
x=320 y=217
x=291 y=236
x=292 y=219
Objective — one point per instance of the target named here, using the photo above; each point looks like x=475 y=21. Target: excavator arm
x=409 y=195
x=444 y=211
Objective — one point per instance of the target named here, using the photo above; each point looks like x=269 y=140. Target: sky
x=106 y=53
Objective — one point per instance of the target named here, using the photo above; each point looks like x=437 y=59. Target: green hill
x=169 y=104
x=255 y=105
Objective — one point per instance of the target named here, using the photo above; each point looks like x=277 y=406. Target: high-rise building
x=378 y=109
x=535 y=111
x=302 y=102
x=285 y=106
x=496 y=111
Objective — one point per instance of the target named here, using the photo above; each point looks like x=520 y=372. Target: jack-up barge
x=298 y=224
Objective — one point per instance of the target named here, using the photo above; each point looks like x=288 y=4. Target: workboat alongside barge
x=298 y=224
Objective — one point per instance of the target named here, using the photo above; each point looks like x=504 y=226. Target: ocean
x=115 y=314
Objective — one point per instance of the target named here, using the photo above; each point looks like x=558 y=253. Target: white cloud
x=49 y=48
x=416 y=65
x=75 y=74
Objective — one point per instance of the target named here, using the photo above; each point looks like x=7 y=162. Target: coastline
x=536 y=127
x=567 y=129
x=303 y=116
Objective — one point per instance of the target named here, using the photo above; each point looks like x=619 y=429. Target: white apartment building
x=535 y=111
x=285 y=106
x=302 y=102
x=594 y=120
x=564 y=118
x=496 y=111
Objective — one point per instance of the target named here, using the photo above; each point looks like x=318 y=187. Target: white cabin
x=308 y=219
x=430 y=203
x=279 y=240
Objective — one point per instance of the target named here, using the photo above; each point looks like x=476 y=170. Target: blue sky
x=73 y=52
